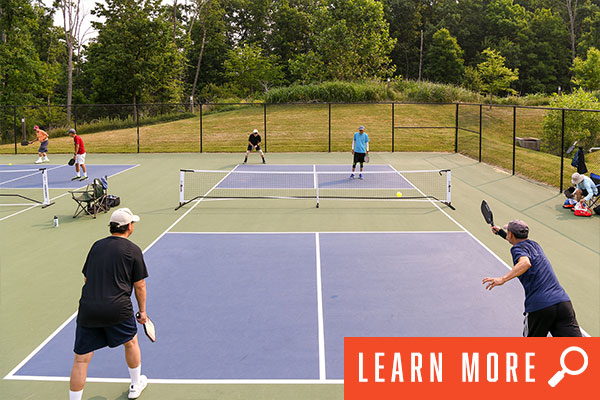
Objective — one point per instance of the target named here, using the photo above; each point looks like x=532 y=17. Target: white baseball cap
x=123 y=216
x=255 y=131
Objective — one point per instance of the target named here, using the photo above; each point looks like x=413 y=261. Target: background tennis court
x=265 y=302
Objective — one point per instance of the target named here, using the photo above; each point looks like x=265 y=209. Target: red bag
x=581 y=210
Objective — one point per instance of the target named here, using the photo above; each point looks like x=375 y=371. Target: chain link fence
x=509 y=137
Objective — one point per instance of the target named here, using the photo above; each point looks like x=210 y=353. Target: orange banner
x=482 y=368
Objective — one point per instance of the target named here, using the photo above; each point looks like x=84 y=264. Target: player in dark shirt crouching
x=254 y=143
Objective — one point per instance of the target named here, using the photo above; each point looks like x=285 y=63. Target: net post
x=45 y=187
x=448 y=186
x=181 y=187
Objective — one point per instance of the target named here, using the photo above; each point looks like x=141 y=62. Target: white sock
x=135 y=374
x=75 y=395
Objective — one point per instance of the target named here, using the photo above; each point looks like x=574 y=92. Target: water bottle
x=55 y=221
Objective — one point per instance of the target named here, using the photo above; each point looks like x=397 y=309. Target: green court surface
x=40 y=266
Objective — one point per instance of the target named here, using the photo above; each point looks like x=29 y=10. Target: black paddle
x=487 y=213
x=24 y=143
x=71 y=161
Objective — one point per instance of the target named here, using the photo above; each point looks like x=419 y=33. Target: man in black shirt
x=114 y=267
x=254 y=143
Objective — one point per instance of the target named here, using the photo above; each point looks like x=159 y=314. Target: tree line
x=146 y=51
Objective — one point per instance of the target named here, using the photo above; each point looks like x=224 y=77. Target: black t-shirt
x=112 y=266
x=254 y=139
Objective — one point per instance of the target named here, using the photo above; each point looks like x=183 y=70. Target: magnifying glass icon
x=564 y=370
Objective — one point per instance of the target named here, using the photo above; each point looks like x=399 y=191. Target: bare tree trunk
x=572 y=15
x=203 y=22
x=175 y=23
x=72 y=19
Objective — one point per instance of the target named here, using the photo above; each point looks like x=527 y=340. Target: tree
x=494 y=75
x=586 y=73
x=249 y=71
x=581 y=126
x=444 y=61
x=572 y=12
x=544 y=60
x=357 y=27
x=73 y=17
x=133 y=59
x=590 y=28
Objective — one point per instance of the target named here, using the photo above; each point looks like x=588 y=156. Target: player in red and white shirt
x=79 y=155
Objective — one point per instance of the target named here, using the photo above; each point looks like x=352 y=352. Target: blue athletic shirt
x=360 y=142
x=542 y=288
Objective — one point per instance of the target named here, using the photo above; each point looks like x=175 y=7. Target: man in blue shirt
x=548 y=308
x=585 y=188
x=360 y=148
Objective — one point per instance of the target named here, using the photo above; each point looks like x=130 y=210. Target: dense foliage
x=162 y=51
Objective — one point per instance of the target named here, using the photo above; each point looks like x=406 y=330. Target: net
x=428 y=185
x=14 y=181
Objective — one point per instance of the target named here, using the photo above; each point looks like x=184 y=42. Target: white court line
x=189 y=381
x=37 y=349
x=10 y=375
x=478 y=241
x=32 y=174
x=321 y=327
x=307 y=232
x=64 y=194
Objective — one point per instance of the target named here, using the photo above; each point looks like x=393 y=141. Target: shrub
x=581 y=126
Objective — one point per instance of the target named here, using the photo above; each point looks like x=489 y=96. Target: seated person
x=585 y=188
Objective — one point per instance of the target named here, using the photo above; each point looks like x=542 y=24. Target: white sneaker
x=45 y=159
x=38 y=161
x=136 y=390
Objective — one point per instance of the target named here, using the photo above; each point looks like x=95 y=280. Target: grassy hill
x=305 y=128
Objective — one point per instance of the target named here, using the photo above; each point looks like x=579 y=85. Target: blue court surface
x=311 y=176
x=59 y=176
x=277 y=306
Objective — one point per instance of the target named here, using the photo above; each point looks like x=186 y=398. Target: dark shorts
x=558 y=319
x=257 y=147
x=43 y=147
x=359 y=158
x=584 y=192
x=92 y=339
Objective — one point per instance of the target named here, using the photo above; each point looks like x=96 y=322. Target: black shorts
x=558 y=320
x=257 y=147
x=92 y=339
x=43 y=147
x=359 y=157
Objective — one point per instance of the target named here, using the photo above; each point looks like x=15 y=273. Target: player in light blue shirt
x=585 y=188
x=360 y=148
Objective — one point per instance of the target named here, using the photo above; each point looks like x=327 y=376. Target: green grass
x=306 y=128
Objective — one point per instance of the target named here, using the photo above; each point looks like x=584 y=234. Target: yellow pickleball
x=9 y=163
x=399 y=194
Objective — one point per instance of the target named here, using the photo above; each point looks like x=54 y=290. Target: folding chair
x=594 y=201
x=90 y=200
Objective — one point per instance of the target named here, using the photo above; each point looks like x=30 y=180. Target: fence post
x=75 y=116
x=265 y=123
x=480 y=131
x=456 y=130
x=137 y=123
x=15 y=126
x=329 y=127
x=201 y=127
x=514 y=138
x=562 y=150
x=393 y=126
